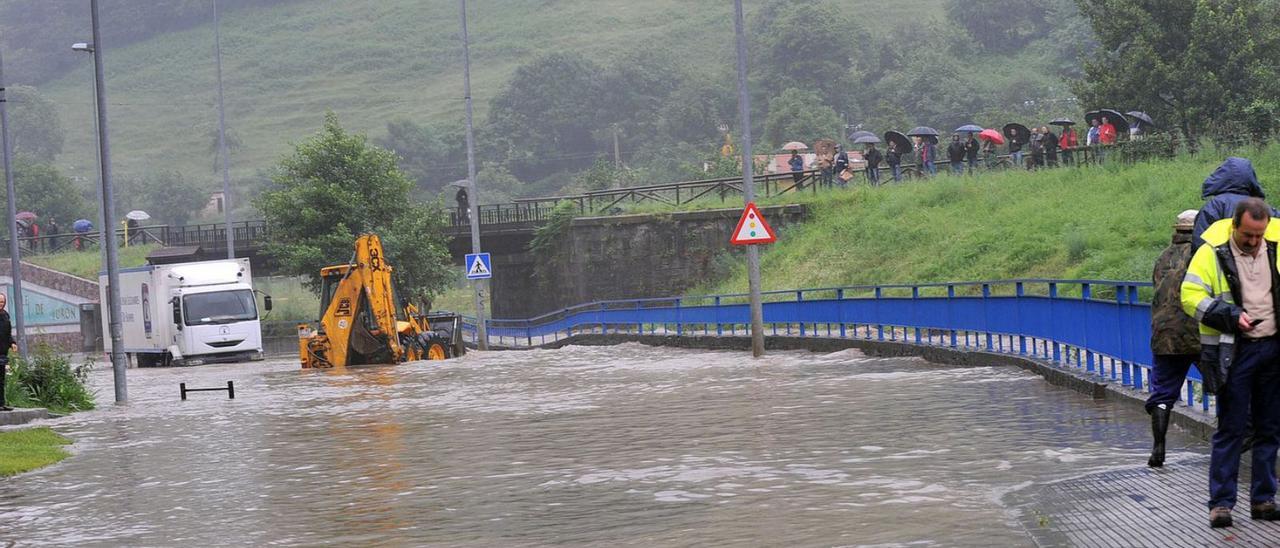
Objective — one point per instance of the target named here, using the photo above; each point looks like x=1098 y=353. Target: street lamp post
x=11 y=206
x=85 y=47
x=748 y=182
x=222 y=135
x=118 y=362
x=482 y=333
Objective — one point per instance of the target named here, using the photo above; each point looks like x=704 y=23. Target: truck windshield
x=220 y=307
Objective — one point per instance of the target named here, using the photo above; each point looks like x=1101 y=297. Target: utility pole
x=118 y=359
x=222 y=135
x=11 y=206
x=748 y=182
x=473 y=191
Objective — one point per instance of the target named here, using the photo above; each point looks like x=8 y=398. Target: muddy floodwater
x=623 y=445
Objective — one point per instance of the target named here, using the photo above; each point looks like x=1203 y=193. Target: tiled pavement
x=1138 y=507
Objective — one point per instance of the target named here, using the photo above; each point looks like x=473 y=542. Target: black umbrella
x=1062 y=122
x=1140 y=116
x=862 y=140
x=1118 y=120
x=899 y=140
x=1017 y=133
x=922 y=131
x=860 y=134
x=969 y=128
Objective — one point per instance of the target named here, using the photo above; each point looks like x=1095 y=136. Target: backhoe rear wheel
x=436 y=351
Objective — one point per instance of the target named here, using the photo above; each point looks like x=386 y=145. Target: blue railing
x=1100 y=327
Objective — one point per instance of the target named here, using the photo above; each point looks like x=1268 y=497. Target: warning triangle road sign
x=752 y=229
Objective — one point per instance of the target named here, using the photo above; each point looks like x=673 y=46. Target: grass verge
x=1094 y=222
x=30 y=448
x=87 y=264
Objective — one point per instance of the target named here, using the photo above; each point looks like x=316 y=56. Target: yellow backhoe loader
x=360 y=322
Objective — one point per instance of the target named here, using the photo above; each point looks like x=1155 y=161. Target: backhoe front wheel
x=436 y=348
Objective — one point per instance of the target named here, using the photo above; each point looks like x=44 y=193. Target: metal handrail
x=1072 y=323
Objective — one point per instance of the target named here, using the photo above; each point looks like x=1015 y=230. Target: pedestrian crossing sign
x=752 y=229
x=478 y=266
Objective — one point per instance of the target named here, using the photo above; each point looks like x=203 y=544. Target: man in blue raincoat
x=1232 y=182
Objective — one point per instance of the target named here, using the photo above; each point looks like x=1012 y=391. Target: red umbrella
x=25 y=216
x=991 y=135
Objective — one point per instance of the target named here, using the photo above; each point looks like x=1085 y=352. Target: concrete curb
x=1197 y=423
x=22 y=416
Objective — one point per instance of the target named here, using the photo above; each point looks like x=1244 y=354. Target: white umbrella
x=795 y=145
x=137 y=215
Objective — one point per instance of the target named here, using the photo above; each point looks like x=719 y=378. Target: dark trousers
x=873 y=175
x=1168 y=376
x=4 y=364
x=1250 y=390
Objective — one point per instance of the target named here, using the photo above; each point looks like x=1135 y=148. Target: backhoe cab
x=360 y=322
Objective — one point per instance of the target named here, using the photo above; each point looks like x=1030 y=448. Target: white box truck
x=187 y=314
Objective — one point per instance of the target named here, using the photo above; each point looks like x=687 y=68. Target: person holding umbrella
x=1050 y=147
x=971 y=148
x=796 y=163
x=955 y=153
x=872 y=156
x=1091 y=139
x=928 y=155
x=1067 y=142
x=1106 y=132
x=894 y=159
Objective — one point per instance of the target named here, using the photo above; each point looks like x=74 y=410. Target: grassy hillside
x=1108 y=223
x=371 y=62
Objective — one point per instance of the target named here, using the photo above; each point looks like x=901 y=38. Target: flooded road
x=579 y=446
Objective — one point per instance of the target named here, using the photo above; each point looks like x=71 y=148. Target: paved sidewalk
x=1136 y=507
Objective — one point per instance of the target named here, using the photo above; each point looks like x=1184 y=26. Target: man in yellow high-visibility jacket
x=1232 y=287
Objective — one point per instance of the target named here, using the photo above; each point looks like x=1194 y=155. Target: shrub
x=47 y=379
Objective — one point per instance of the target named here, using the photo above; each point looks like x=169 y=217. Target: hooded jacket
x=1211 y=293
x=1232 y=182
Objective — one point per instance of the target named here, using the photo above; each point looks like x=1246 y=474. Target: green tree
x=336 y=186
x=432 y=155
x=34 y=125
x=1185 y=62
x=1000 y=25
x=497 y=184
x=544 y=120
x=799 y=115
x=163 y=193
x=808 y=45
x=43 y=190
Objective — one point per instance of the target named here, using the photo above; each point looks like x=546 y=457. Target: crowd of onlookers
x=1030 y=148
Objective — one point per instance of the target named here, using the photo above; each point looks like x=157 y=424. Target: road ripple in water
x=584 y=445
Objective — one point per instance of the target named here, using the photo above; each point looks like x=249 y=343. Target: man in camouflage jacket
x=1175 y=341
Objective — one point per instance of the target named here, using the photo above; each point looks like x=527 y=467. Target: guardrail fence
x=1100 y=327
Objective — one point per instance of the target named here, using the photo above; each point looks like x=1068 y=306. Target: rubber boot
x=1159 y=426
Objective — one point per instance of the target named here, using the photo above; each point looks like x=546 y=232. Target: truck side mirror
x=177 y=313
x=266 y=302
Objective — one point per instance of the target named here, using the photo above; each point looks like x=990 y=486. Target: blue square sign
x=478 y=266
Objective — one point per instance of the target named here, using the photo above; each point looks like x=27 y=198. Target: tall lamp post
x=11 y=207
x=222 y=135
x=748 y=181
x=482 y=332
x=118 y=360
